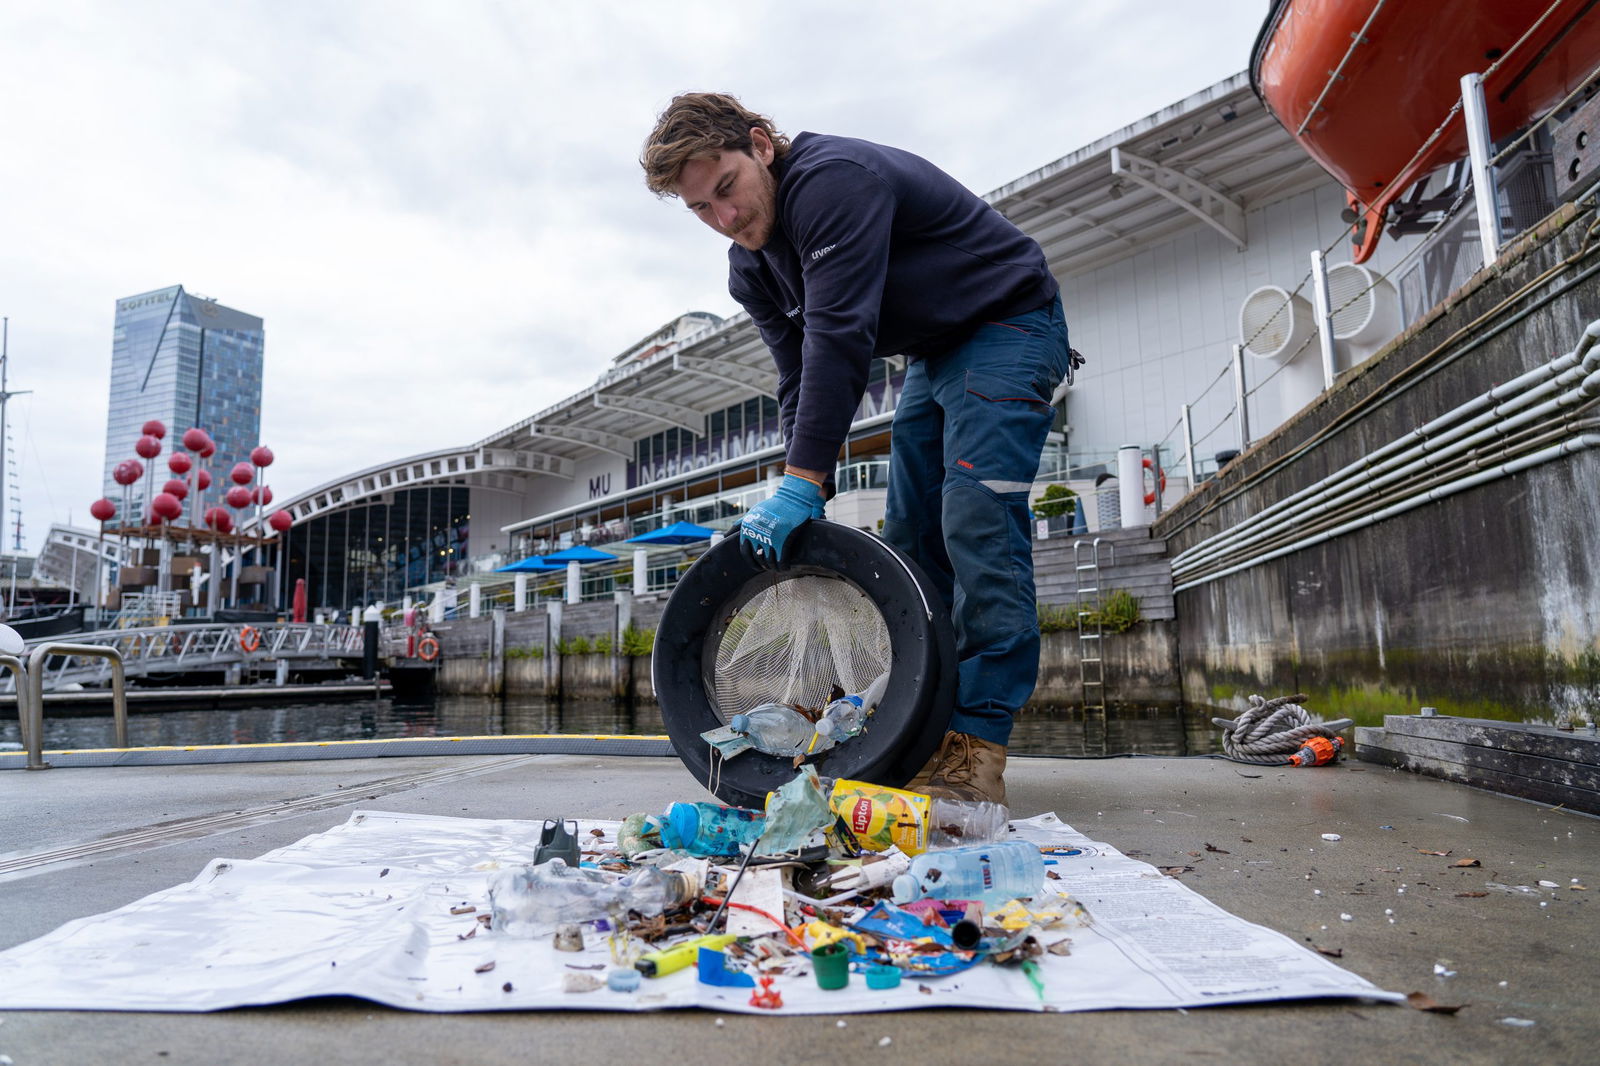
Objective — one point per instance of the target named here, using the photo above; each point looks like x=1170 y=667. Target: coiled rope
x=1270 y=731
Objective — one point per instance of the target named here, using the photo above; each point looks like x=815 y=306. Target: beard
x=755 y=230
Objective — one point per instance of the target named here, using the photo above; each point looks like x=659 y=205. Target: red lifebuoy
x=1161 y=482
x=249 y=639
x=428 y=649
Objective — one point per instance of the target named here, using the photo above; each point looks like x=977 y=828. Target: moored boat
x=1365 y=84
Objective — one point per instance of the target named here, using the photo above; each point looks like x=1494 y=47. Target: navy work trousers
x=968 y=431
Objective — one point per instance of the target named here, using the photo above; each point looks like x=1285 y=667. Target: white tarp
x=364 y=910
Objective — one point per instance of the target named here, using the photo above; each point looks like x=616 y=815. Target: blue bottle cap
x=685 y=821
x=740 y=723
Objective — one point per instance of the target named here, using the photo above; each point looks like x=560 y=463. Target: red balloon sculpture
x=195 y=439
x=179 y=463
x=148 y=446
x=280 y=520
x=262 y=495
x=242 y=473
x=104 y=510
x=175 y=488
x=202 y=479
x=166 y=506
x=127 y=472
x=261 y=455
x=238 y=497
x=155 y=428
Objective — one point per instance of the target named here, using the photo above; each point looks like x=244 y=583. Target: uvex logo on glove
x=765 y=530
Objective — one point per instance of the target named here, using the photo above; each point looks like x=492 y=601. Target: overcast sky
x=437 y=207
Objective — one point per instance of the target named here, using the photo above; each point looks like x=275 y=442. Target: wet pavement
x=81 y=841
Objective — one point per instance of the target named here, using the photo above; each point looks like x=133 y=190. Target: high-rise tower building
x=188 y=361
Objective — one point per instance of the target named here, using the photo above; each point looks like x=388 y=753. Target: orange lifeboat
x=1363 y=84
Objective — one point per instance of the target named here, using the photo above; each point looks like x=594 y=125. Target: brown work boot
x=920 y=782
x=968 y=768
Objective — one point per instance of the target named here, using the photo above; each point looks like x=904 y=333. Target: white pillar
x=1479 y=145
x=1241 y=399
x=214 y=589
x=519 y=593
x=574 y=582
x=1188 y=444
x=1130 y=485
x=641 y=571
x=1319 y=292
x=474 y=600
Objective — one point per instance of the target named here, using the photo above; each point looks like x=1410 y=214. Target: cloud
x=437 y=208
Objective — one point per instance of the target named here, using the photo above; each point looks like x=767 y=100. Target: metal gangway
x=210 y=646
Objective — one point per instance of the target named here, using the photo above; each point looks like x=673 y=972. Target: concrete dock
x=79 y=841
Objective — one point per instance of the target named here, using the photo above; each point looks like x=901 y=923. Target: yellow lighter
x=675 y=958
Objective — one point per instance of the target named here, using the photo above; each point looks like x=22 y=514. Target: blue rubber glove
x=767 y=526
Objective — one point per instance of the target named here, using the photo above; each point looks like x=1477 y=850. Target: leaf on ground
x=1471 y=895
x=1427 y=851
x=1246 y=775
x=1246 y=840
x=1332 y=953
x=1174 y=871
x=1423 y=1001
x=1213 y=848
x=483 y=967
x=1466 y=862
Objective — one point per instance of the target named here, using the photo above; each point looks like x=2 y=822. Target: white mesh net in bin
x=793 y=642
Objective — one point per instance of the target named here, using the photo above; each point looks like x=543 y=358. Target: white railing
x=211 y=646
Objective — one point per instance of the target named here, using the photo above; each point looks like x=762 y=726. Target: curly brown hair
x=700 y=126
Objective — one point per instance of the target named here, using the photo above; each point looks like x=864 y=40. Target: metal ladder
x=1091 y=638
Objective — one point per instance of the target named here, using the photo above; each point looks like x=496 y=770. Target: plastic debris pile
x=831 y=880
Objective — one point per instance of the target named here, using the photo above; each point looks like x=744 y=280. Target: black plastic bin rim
x=912 y=716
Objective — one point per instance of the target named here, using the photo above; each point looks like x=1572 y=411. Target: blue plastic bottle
x=994 y=873
x=705 y=829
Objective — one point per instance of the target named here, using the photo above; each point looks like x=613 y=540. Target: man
x=844 y=250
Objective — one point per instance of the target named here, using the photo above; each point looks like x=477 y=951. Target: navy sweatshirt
x=875 y=252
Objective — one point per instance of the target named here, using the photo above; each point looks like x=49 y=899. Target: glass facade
x=371 y=553
x=189 y=362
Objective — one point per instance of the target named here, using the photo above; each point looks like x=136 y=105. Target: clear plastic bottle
x=528 y=900
x=531 y=900
x=952 y=823
x=994 y=873
x=651 y=890
x=706 y=829
x=846 y=716
x=778 y=730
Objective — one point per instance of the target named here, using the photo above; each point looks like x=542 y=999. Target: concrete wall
x=1484 y=604
x=1141 y=667
x=531 y=663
